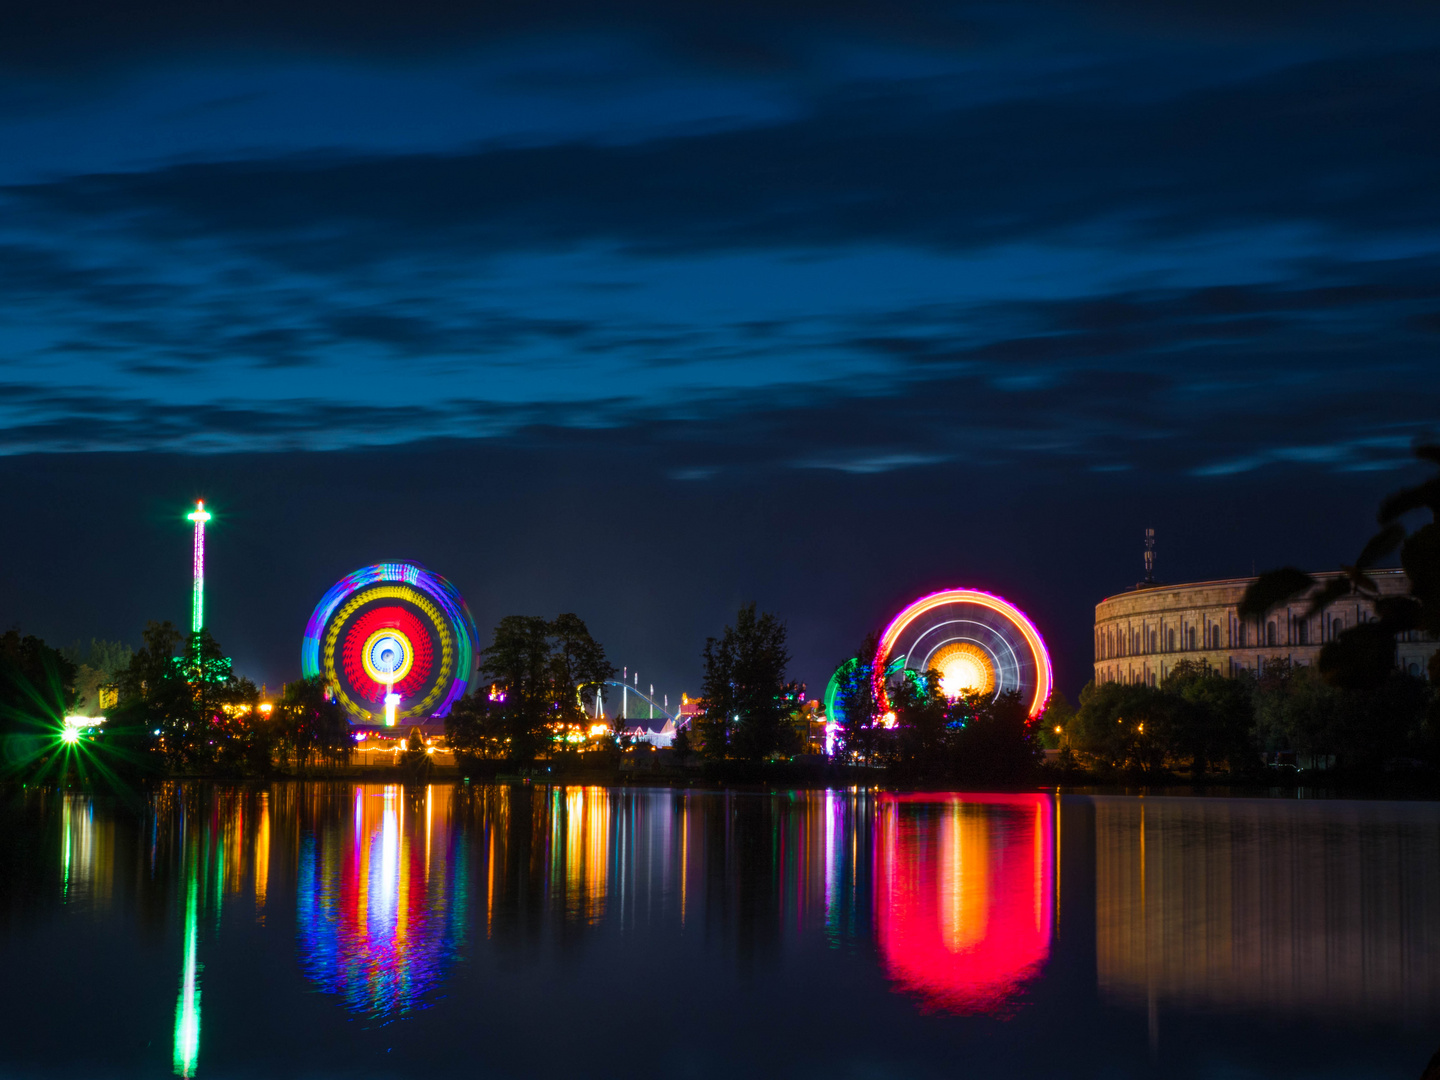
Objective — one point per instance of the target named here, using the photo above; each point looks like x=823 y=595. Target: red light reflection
x=964 y=889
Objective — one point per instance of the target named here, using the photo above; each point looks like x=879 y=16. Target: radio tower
x=197 y=600
x=1149 y=556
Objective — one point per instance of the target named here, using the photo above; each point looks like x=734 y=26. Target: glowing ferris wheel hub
x=393 y=641
x=964 y=668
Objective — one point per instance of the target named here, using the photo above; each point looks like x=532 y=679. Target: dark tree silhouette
x=534 y=674
x=1363 y=656
x=310 y=724
x=190 y=710
x=747 y=699
x=37 y=688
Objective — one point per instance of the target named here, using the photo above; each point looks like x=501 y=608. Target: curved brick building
x=1141 y=634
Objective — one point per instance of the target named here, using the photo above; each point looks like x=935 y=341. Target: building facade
x=1142 y=634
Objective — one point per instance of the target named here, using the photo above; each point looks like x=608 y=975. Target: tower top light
x=199 y=515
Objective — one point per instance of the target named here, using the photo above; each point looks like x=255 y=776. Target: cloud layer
x=1064 y=238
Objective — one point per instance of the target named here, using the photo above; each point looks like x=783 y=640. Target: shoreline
x=1407 y=789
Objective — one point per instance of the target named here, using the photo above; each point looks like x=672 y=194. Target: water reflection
x=87 y=851
x=209 y=844
x=187 y=1008
x=379 y=900
x=1324 y=909
x=583 y=814
x=466 y=918
x=964 y=889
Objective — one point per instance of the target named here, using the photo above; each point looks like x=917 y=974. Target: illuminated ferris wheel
x=979 y=643
x=394 y=642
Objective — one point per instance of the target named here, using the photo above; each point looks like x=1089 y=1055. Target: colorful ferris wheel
x=393 y=641
x=978 y=642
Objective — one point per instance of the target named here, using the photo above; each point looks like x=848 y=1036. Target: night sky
x=647 y=310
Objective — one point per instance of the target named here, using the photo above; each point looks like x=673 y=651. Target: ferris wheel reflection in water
x=964 y=896
x=957 y=891
x=1260 y=907
x=395 y=885
x=380 y=911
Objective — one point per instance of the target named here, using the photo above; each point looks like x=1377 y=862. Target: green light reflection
x=65 y=858
x=187 y=1008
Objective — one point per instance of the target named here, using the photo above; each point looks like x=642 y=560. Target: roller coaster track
x=634 y=704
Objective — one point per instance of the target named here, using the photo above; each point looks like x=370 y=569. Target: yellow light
x=70 y=735
x=964 y=668
x=1142 y=728
x=1058 y=729
x=265 y=707
x=398 y=641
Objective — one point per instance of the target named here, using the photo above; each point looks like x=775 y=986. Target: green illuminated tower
x=197 y=601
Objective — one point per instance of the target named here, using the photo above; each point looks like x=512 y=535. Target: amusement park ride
x=979 y=643
x=396 y=643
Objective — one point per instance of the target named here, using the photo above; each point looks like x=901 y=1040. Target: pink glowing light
x=1045 y=677
x=964 y=897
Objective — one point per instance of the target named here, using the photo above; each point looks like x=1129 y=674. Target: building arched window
x=1153 y=647
x=1191 y=644
x=1172 y=640
x=1270 y=632
x=1215 y=636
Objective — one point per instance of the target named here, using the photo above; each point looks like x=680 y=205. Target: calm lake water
x=332 y=930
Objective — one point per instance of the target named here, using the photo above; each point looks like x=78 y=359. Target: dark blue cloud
x=1087 y=238
x=1343 y=146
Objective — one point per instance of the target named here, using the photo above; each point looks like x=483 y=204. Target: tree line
x=1354 y=710
x=1199 y=721
x=179 y=709
x=535 y=680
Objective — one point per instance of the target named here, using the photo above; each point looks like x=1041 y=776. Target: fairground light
x=978 y=642
x=394 y=642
